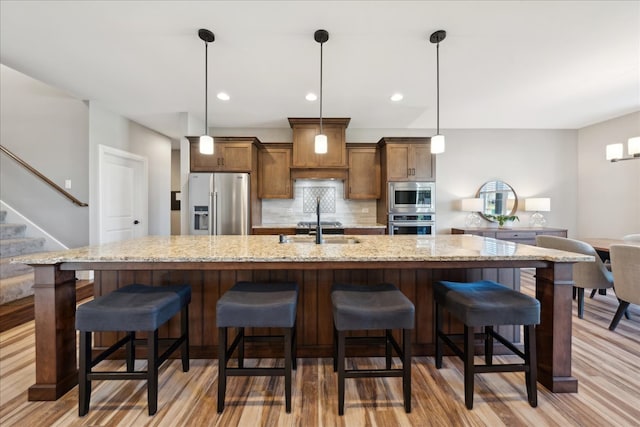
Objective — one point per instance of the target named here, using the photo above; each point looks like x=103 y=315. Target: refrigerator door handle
x=214 y=213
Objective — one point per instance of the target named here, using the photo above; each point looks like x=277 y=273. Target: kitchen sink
x=330 y=239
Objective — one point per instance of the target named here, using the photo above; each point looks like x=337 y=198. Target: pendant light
x=437 y=141
x=320 y=145
x=206 y=141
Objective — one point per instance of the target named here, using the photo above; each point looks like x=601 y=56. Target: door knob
x=136 y=222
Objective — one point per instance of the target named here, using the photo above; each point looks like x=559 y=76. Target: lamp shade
x=539 y=204
x=634 y=146
x=614 y=151
x=206 y=144
x=472 y=205
x=437 y=144
x=320 y=146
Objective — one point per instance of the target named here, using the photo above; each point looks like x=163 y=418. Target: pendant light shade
x=437 y=144
x=206 y=144
x=206 y=141
x=321 y=146
x=437 y=141
x=320 y=142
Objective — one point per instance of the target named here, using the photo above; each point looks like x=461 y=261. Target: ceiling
x=503 y=64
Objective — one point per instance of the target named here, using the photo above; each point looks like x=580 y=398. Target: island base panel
x=314 y=316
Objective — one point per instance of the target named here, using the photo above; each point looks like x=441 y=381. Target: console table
x=525 y=235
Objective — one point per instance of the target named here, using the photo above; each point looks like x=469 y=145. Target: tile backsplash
x=333 y=206
x=312 y=195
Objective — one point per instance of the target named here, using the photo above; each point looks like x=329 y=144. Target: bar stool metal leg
x=287 y=368
x=531 y=361
x=152 y=371
x=438 y=349
x=341 y=345
x=406 y=368
x=131 y=351
x=222 y=367
x=184 y=330
x=468 y=366
x=84 y=385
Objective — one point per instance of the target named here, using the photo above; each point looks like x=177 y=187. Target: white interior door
x=123 y=198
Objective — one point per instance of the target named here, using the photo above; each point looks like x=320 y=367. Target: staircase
x=16 y=280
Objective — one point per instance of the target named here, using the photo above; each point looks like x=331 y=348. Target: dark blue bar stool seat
x=256 y=305
x=487 y=304
x=372 y=307
x=130 y=309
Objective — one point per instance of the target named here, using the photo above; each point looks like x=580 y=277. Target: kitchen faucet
x=318 y=225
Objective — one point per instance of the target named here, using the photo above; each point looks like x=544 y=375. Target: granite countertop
x=343 y=226
x=255 y=248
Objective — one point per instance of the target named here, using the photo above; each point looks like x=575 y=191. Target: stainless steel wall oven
x=420 y=224
x=412 y=208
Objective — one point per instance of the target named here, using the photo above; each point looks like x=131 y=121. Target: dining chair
x=625 y=263
x=590 y=275
x=631 y=238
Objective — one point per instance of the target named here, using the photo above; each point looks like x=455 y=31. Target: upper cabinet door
x=236 y=156
x=422 y=163
x=398 y=162
x=274 y=173
x=304 y=133
x=364 y=174
x=411 y=161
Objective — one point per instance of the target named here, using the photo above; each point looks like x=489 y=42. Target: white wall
x=111 y=129
x=157 y=149
x=608 y=193
x=48 y=129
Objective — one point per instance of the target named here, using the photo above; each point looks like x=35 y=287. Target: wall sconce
x=537 y=205
x=473 y=206
x=615 y=152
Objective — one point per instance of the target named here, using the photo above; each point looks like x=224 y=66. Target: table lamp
x=473 y=206
x=537 y=205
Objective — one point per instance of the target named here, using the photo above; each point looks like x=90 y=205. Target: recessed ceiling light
x=311 y=97
x=396 y=97
x=223 y=96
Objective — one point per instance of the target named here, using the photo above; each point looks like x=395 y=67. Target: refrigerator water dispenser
x=201 y=217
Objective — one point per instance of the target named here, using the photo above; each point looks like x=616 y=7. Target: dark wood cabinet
x=526 y=235
x=304 y=132
x=232 y=154
x=274 y=172
x=407 y=159
x=363 y=178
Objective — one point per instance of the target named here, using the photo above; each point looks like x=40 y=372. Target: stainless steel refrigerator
x=219 y=203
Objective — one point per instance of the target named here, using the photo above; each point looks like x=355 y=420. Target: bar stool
x=371 y=307
x=261 y=305
x=486 y=304
x=129 y=309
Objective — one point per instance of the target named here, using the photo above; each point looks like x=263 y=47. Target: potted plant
x=503 y=219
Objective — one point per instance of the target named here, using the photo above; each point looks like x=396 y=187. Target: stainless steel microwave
x=412 y=197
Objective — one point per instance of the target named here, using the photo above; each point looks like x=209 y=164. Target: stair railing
x=42 y=177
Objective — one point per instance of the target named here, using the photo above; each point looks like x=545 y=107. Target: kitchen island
x=212 y=264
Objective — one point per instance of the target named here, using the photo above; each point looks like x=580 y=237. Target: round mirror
x=498 y=198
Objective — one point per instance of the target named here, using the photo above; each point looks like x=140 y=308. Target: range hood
x=319 y=173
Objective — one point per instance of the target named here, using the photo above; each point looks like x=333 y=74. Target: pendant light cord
x=438 y=89
x=206 y=87
x=321 y=87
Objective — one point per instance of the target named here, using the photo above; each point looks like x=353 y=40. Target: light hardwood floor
x=607 y=365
